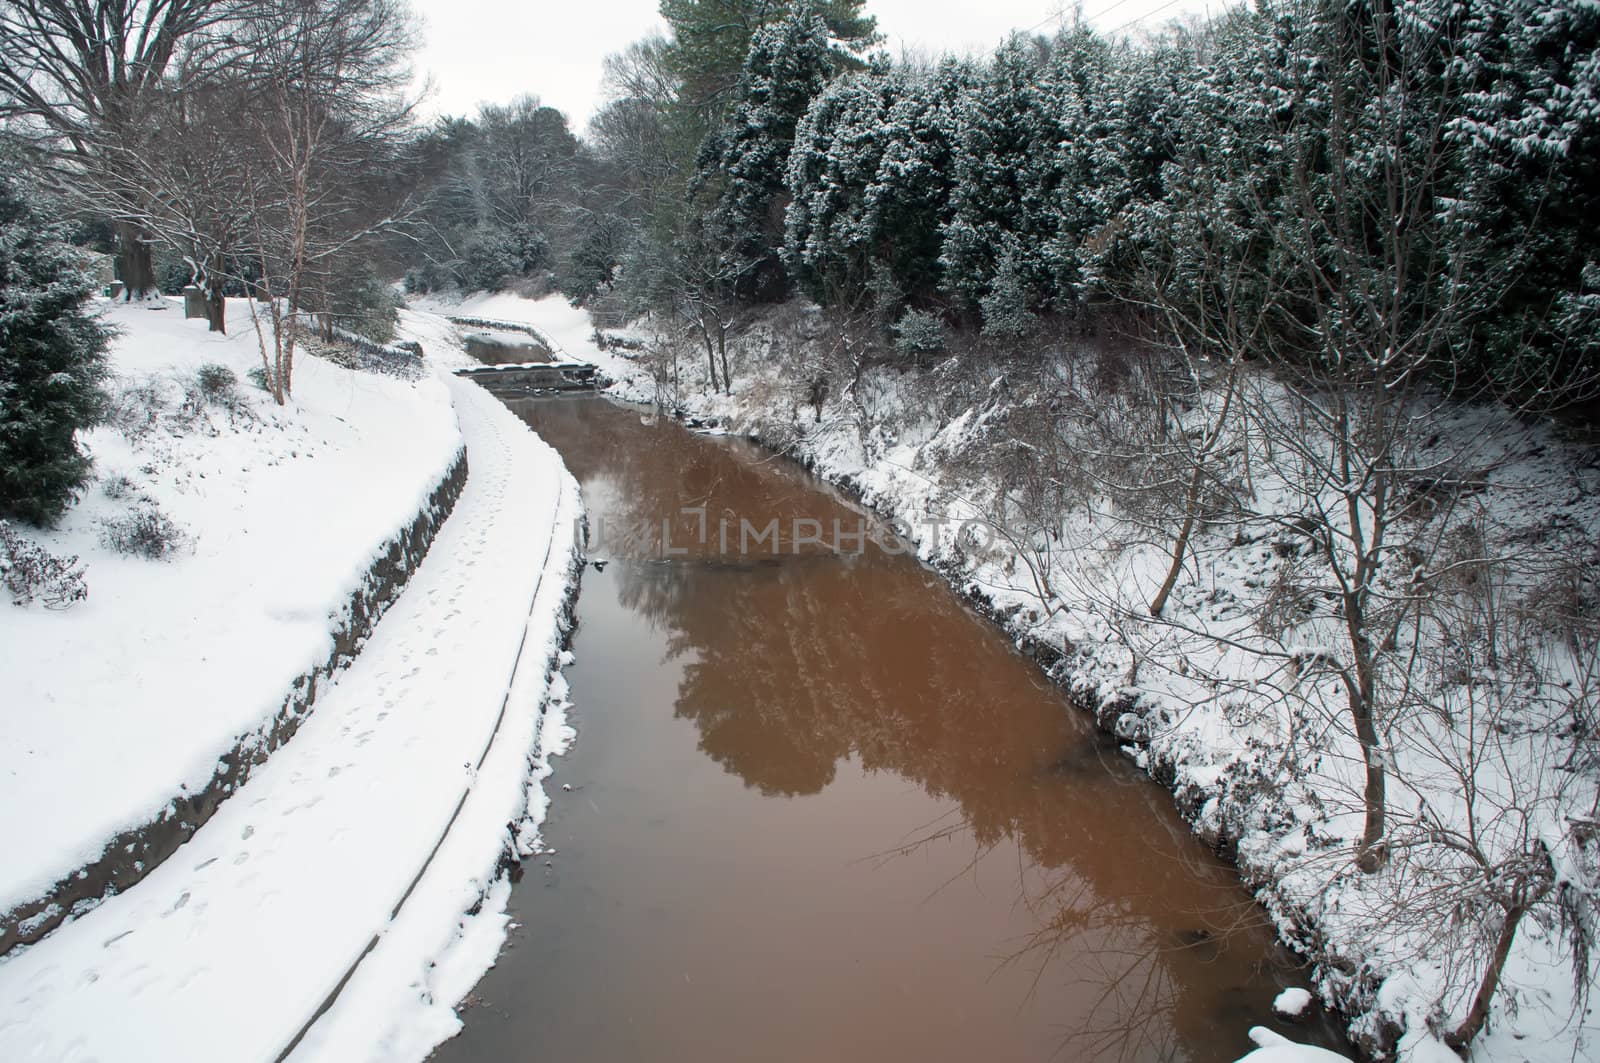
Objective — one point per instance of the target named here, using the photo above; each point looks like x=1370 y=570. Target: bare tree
x=81 y=74
x=330 y=77
x=183 y=176
x=1502 y=825
x=700 y=283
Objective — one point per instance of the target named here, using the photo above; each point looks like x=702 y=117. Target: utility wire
x=1147 y=14
x=1106 y=11
x=1059 y=16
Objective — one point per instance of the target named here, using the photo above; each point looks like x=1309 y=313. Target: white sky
x=493 y=50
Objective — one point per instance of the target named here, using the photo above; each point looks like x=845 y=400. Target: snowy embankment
x=124 y=710
x=1261 y=763
x=324 y=910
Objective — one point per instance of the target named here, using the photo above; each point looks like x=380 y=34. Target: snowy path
x=228 y=948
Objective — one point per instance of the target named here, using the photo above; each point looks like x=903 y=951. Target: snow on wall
x=131 y=717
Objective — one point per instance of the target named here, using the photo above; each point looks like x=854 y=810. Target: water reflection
x=1110 y=933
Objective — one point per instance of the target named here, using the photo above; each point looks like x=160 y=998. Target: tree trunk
x=1181 y=545
x=1370 y=857
x=136 y=267
x=216 y=314
x=711 y=356
x=1191 y=501
x=216 y=307
x=722 y=349
x=1461 y=1037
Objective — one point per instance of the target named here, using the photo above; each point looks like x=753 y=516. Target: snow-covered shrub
x=52 y=359
x=216 y=382
x=258 y=377
x=144 y=531
x=919 y=332
x=138 y=407
x=31 y=572
x=1005 y=309
x=117 y=487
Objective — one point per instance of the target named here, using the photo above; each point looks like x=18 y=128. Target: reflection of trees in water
x=795 y=664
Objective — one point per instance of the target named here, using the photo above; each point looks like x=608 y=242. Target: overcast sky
x=493 y=50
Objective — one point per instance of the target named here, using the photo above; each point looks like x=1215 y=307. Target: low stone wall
x=510 y=326
x=133 y=854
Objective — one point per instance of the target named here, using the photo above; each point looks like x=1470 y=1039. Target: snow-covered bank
x=363 y=844
x=130 y=715
x=1259 y=761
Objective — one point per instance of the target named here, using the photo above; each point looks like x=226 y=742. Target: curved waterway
x=819 y=810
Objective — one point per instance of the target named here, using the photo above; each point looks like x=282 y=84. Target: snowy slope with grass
x=1258 y=762
x=265 y=521
x=342 y=902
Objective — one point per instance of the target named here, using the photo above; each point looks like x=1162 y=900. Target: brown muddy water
x=819 y=810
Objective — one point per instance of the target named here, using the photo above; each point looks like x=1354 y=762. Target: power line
x=1059 y=16
x=1147 y=14
x=1107 y=11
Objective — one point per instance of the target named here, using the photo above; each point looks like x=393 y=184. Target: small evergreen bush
x=919 y=332
x=52 y=359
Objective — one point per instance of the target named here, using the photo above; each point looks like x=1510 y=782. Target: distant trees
x=52 y=359
x=261 y=140
x=505 y=195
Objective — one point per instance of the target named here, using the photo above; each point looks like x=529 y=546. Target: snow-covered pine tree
x=1138 y=131
x=1196 y=178
x=789 y=64
x=1077 y=172
x=998 y=182
x=1526 y=200
x=52 y=359
x=1006 y=316
x=711 y=38
x=830 y=232
x=910 y=196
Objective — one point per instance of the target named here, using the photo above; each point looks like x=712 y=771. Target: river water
x=819 y=810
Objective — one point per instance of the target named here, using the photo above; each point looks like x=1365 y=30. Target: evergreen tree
x=1078 y=174
x=52 y=360
x=832 y=232
x=1526 y=195
x=711 y=38
x=997 y=185
x=789 y=64
x=911 y=195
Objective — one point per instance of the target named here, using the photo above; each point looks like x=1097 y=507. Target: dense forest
x=1390 y=187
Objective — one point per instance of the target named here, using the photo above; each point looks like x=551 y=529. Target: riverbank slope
x=233 y=552
x=343 y=899
x=1269 y=777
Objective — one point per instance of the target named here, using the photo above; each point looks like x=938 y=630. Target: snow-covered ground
x=114 y=707
x=1274 y=772
x=360 y=847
